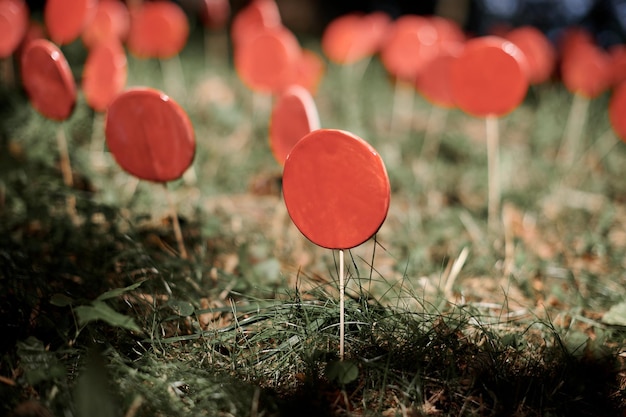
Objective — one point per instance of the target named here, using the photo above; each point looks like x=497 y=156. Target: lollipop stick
x=432 y=135
x=66 y=167
x=7 y=75
x=403 y=98
x=175 y=224
x=342 y=298
x=493 y=170
x=573 y=130
x=173 y=76
x=66 y=170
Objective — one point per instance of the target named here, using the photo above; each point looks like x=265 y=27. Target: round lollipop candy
x=294 y=116
x=111 y=21
x=255 y=18
x=66 y=19
x=266 y=62
x=104 y=74
x=50 y=86
x=489 y=79
x=586 y=73
x=13 y=26
x=151 y=137
x=337 y=193
x=617 y=111
x=160 y=30
x=539 y=52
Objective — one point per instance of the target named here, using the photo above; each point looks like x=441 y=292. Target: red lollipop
x=489 y=78
x=66 y=19
x=337 y=193
x=104 y=74
x=617 y=111
x=618 y=64
x=539 y=52
x=294 y=116
x=336 y=188
x=352 y=37
x=158 y=30
x=111 y=21
x=309 y=70
x=48 y=80
x=411 y=43
x=149 y=135
x=214 y=14
x=434 y=80
x=266 y=62
x=586 y=69
x=255 y=18
x=13 y=25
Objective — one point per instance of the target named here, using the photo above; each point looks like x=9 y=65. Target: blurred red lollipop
x=294 y=116
x=586 y=73
x=433 y=83
x=151 y=137
x=353 y=37
x=255 y=18
x=111 y=21
x=104 y=74
x=489 y=79
x=104 y=77
x=66 y=19
x=158 y=30
x=539 y=52
x=13 y=26
x=337 y=193
x=411 y=43
x=309 y=70
x=618 y=64
x=50 y=86
x=266 y=62
x=48 y=80
x=214 y=14
x=617 y=111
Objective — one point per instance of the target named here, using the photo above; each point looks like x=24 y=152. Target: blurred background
x=606 y=19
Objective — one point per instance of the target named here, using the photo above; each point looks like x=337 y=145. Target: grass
x=102 y=317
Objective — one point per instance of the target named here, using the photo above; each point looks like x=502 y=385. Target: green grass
x=249 y=324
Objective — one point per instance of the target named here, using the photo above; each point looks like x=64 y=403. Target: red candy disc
x=617 y=111
x=586 y=69
x=433 y=82
x=336 y=188
x=66 y=19
x=111 y=21
x=149 y=135
x=214 y=14
x=413 y=41
x=352 y=37
x=266 y=62
x=539 y=52
x=255 y=18
x=13 y=25
x=294 y=116
x=48 y=80
x=104 y=74
x=489 y=77
x=158 y=30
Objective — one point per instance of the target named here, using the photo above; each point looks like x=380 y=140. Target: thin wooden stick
x=342 y=299
x=570 y=143
x=175 y=224
x=173 y=77
x=432 y=135
x=66 y=170
x=493 y=170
